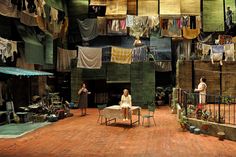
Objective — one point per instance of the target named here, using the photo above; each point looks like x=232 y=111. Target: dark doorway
x=164 y=80
x=115 y=91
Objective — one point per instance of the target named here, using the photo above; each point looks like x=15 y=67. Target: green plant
x=226 y=99
x=183 y=121
x=160 y=93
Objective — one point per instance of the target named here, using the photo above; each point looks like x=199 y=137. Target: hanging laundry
x=123 y=24
x=121 y=55
x=170 y=28
x=101 y=25
x=40 y=8
x=217 y=53
x=89 y=58
x=205 y=49
x=129 y=20
x=153 y=21
x=54 y=14
x=28 y=19
x=140 y=27
x=88 y=29
x=8 y=9
x=64 y=58
x=139 y=54
x=229 y=51
x=191 y=29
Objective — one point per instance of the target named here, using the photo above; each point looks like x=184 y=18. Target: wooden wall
x=212 y=74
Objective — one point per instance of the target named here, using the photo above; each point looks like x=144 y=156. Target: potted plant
x=160 y=94
x=183 y=121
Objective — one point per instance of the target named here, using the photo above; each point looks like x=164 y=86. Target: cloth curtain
x=147 y=7
x=190 y=7
x=170 y=7
x=88 y=29
x=116 y=7
x=213 y=15
x=89 y=58
x=48 y=48
x=64 y=58
x=121 y=55
x=34 y=50
x=8 y=9
x=187 y=44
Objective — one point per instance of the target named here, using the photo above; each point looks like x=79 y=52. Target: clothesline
x=212 y=71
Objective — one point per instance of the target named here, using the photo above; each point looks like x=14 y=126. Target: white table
x=115 y=112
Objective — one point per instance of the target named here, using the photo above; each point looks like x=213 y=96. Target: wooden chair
x=100 y=109
x=150 y=114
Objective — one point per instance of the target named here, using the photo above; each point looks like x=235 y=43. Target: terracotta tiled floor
x=82 y=136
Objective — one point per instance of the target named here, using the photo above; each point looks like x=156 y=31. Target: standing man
x=229 y=15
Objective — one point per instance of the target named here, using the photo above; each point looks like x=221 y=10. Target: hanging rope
x=212 y=71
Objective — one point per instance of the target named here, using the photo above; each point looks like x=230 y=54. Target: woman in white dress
x=202 y=88
x=126 y=103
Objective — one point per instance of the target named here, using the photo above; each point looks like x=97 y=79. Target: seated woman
x=126 y=103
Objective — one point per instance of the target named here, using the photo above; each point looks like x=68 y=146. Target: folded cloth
x=205 y=49
x=64 y=58
x=88 y=29
x=89 y=58
x=121 y=55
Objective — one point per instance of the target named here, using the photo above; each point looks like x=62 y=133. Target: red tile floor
x=84 y=137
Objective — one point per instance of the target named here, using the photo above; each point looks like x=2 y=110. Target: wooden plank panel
x=184 y=75
x=170 y=7
x=229 y=78
x=213 y=15
x=148 y=7
x=210 y=72
x=190 y=7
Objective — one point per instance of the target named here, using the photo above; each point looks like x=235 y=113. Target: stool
x=197 y=131
x=191 y=128
x=24 y=116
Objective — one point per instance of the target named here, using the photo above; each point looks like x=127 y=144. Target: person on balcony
x=202 y=89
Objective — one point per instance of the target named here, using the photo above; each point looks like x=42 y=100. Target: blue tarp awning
x=23 y=72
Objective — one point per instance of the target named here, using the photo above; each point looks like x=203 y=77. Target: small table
x=115 y=112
